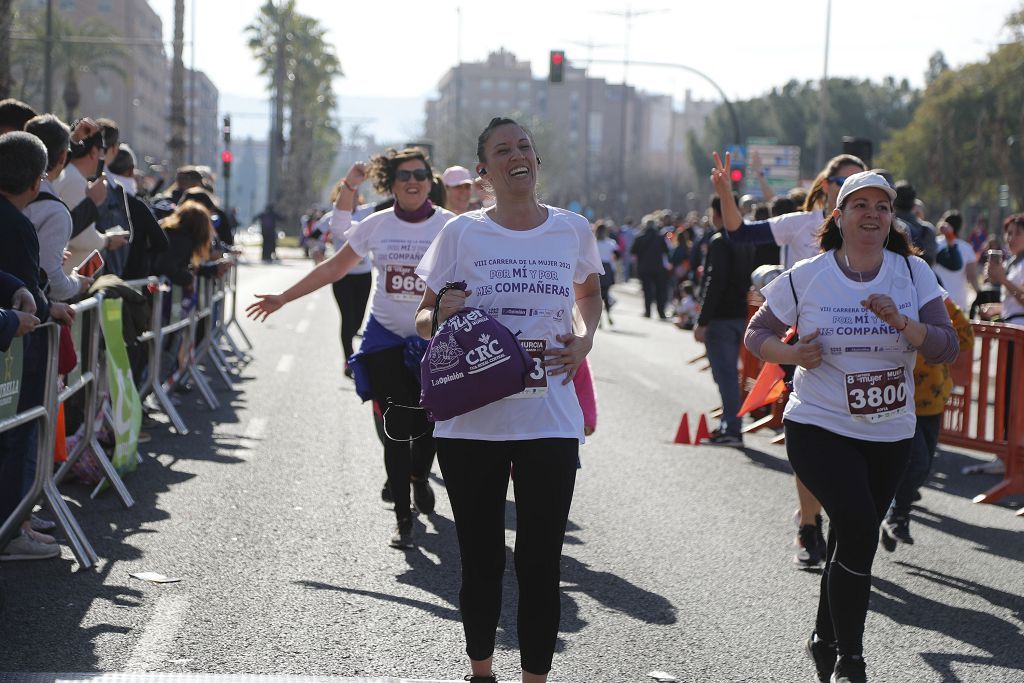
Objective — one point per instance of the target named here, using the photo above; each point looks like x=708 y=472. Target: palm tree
x=177 y=118
x=293 y=52
x=6 y=19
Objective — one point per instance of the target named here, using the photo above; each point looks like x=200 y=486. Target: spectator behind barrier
x=14 y=114
x=49 y=215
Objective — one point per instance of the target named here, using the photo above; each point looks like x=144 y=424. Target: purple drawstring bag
x=472 y=360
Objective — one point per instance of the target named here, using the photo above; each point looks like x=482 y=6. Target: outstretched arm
x=331 y=270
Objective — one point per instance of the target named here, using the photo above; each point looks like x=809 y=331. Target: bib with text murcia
x=402 y=284
x=537 y=379
x=878 y=395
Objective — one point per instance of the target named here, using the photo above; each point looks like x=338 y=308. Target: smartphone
x=91 y=265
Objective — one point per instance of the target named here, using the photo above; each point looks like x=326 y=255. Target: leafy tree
x=791 y=115
x=965 y=138
x=936 y=67
x=88 y=46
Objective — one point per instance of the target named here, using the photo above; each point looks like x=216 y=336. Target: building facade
x=607 y=149
x=203 y=140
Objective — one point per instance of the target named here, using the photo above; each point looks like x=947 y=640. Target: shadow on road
x=997 y=637
x=999 y=542
x=41 y=628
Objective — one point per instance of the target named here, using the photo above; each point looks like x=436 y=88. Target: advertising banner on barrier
x=126 y=408
x=10 y=380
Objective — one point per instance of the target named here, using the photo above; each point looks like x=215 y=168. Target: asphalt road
x=677 y=558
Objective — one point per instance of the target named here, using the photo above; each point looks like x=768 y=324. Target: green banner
x=126 y=408
x=76 y=337
x=10 y=379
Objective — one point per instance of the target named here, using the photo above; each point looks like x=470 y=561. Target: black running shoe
x=820 y=536
x=481 y=679
x=824 y=657
x=850 y=670
x=808 y=555
x=423 y=496
x=887 y=541
x=403 y=534
x=897 y=527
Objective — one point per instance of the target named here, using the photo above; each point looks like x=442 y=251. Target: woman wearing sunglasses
x=386 y=366
x=797 y=234
x=528 y=265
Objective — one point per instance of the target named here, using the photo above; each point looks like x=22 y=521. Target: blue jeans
x=723 y=348
x=922 y=452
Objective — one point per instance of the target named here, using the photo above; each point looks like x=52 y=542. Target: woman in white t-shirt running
x=609 y=252
x=386 y=367
x=863 y=309
x=797 y=236
x=526 y=264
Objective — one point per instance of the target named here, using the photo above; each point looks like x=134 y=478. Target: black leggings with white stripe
x=855 y=481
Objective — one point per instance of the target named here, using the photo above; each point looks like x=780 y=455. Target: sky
x=394 y=54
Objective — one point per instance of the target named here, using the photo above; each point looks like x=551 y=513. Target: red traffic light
x=226 y=156
x=736 y=175
x=557 y=58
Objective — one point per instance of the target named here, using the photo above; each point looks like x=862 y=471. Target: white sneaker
x=23 y=547
x=39 y=537
x=43 y=525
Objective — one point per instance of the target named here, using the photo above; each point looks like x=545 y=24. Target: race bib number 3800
x=878 y=395
x=402 y=284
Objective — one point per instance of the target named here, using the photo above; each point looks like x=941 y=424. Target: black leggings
x=476 y=475
x=351 y=293
x=391 y=381
x=855 y=482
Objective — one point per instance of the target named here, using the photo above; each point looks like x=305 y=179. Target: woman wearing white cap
x=863 y=309
x=458 y=185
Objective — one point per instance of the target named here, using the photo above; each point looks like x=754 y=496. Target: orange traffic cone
x=683 y=433
x=702 y=430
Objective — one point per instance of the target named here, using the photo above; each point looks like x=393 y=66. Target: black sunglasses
x=838 y=180
x=405 y=175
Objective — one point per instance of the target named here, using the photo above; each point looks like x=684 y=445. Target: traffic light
x=226 y=158
x=227 y=130
x=556 y=66
x=737 y=174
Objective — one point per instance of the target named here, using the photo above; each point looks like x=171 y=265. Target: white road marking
x=643 y=381
x=254 y=430
x=155 y=646
x=302 y=327
x=285 y=364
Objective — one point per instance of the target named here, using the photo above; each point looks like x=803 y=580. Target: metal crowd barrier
x=89 y=378
x=43 y=484
x=986 y=410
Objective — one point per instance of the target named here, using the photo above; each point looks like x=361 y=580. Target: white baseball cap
x=456 y=175
x=862 y=180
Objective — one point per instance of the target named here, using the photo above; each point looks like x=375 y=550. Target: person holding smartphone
x=386 y=367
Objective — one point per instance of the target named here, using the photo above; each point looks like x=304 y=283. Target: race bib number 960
x=878 y=395
x=402 y=284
